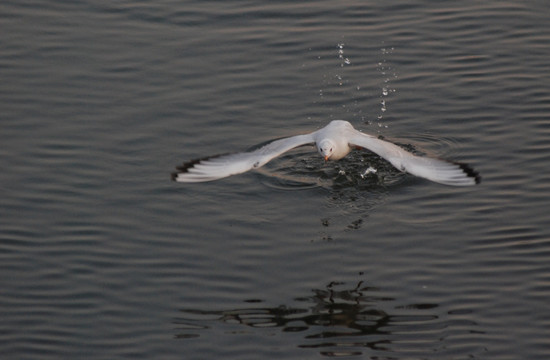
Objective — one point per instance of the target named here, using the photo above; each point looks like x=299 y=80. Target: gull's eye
x=330 y=149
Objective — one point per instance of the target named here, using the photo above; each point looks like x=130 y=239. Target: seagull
x=333 y=142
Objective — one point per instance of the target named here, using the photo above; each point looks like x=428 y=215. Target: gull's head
x=326 y=148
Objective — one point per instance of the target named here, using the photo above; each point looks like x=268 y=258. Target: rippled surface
x=103 y=257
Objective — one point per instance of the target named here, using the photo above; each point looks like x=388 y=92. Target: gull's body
x=333 y=142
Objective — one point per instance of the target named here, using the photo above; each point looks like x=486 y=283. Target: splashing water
x=345 y=60
x=388 y=74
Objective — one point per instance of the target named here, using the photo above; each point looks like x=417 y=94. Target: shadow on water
x=353 y=186
x=305 y=169
x=340 y=320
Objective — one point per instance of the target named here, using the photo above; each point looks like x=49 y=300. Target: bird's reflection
x=358 y=172
x=331 y=319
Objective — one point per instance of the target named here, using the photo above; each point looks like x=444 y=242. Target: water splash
x=345 y=60
x=388 y=74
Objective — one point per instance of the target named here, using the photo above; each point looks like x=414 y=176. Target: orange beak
x=326 y=158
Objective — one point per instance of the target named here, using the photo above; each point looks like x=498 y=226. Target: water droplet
x=369 y=170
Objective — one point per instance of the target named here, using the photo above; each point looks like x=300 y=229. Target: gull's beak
x=326 y=158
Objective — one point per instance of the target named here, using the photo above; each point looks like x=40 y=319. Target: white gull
x=333 y=142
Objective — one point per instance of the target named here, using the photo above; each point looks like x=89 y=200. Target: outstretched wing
x=220 y=166
x=437 y=170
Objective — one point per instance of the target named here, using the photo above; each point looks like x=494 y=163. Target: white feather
x=334 y=141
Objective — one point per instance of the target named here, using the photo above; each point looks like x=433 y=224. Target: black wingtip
x=470 y=172
x=184 y=168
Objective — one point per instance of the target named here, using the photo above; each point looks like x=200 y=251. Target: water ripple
x=343 y=321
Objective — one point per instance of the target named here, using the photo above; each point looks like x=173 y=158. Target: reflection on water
x=352 y=186
x=359 y=170
x=340 y=320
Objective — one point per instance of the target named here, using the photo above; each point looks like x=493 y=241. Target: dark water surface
x=103 y=257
